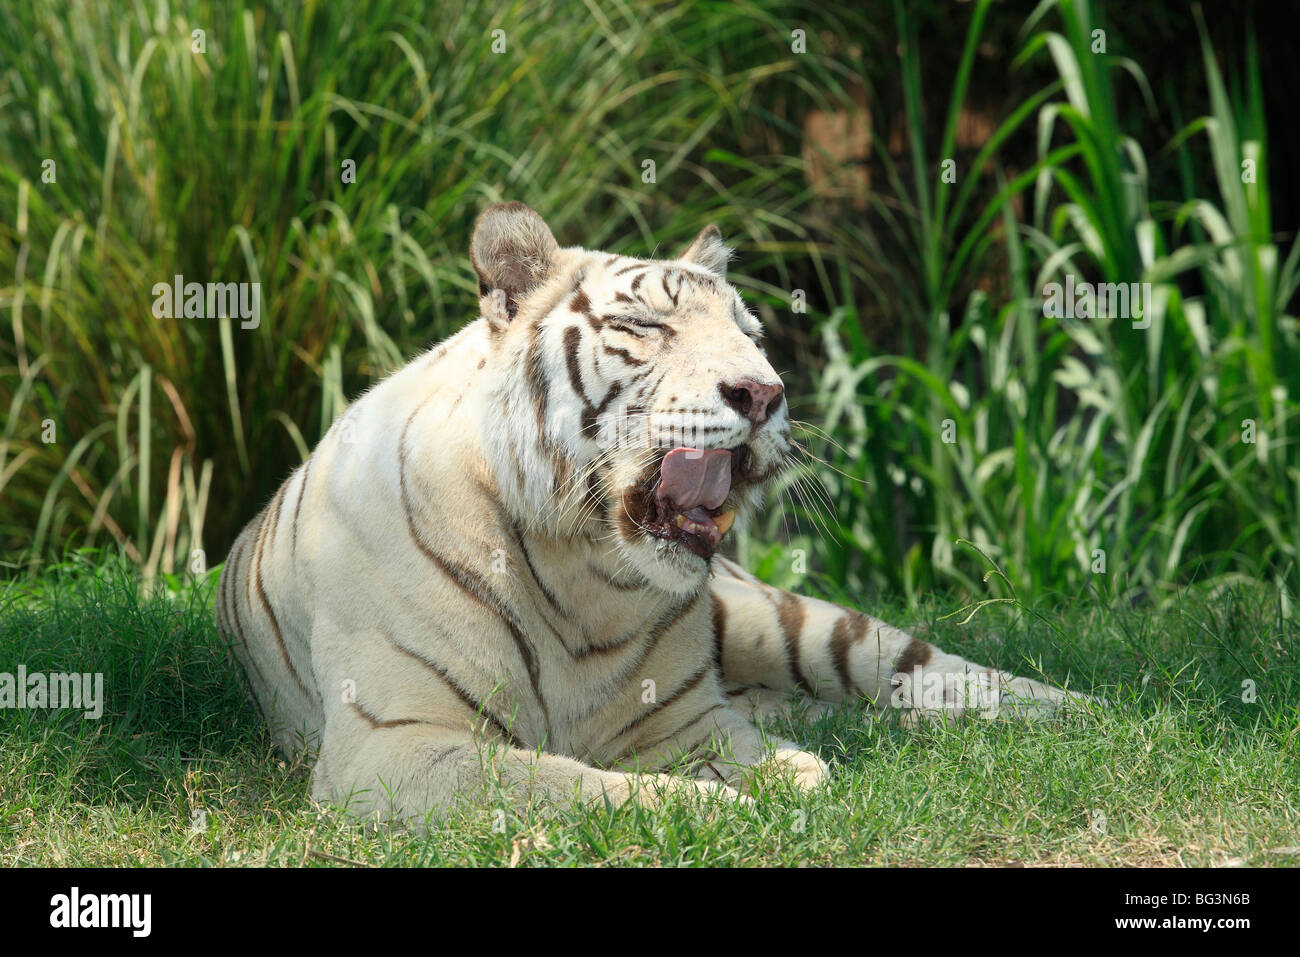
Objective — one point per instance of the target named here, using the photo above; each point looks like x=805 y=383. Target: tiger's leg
x=764 y=704
x=403 y=738
x=403 y=769
x=773 y=639
x=725 y=745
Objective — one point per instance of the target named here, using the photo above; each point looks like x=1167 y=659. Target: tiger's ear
x=708 y=251
x=512 y=250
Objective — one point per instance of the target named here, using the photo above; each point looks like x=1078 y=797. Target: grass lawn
x=1176 y=770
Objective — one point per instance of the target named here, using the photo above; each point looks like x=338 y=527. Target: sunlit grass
x=1179 y=767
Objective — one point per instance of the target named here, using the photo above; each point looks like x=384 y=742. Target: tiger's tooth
x=680 y=520
x=724 y=521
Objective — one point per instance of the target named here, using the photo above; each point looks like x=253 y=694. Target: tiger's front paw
x=651 y=790
x=725 y=791
x=789 y=763
x=806 y=768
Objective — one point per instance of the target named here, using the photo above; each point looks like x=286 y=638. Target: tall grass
x=227 y=164
x=1052 y=444
x=1087 y=454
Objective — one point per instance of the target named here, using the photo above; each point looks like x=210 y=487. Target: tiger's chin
x=670 y=564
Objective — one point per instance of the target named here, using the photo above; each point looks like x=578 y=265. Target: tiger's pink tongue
x=693 y=477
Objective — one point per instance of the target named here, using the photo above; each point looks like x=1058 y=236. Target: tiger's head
x=628 y=400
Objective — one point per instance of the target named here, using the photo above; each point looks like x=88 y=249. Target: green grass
x=1184 y=771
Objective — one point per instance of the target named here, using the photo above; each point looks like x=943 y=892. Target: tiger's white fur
x=458 y=588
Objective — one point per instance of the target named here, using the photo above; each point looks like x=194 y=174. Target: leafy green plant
x=219 y=155
x=1091 y=453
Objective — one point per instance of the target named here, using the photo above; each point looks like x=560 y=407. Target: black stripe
x=685 y=689
x=581 y=304
x=624 y=355
x=535 y=374
x=468 y=582
x=276 y=504
x=376 y=724
x=615 y=583
x=231 y=571
x=671 y=295
x=695 y=720
x=473 y=587
x=445 y=677
x=572 y=340
x=791 y=615
x=256 y=575
x=589 y=650
x=591 y=414
x=651 y=388
x=917 y=652
x=306 y=468
x=677 y=614
x=848 y=630
x=655 y=631
x=719 y=628
x=246 y=662
x=532 y=570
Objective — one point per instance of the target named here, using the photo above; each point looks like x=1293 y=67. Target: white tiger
x=498 y=565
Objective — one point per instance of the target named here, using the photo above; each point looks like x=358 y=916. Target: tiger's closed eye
x=639 y=322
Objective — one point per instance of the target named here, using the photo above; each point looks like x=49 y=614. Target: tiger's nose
x=754 y=400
